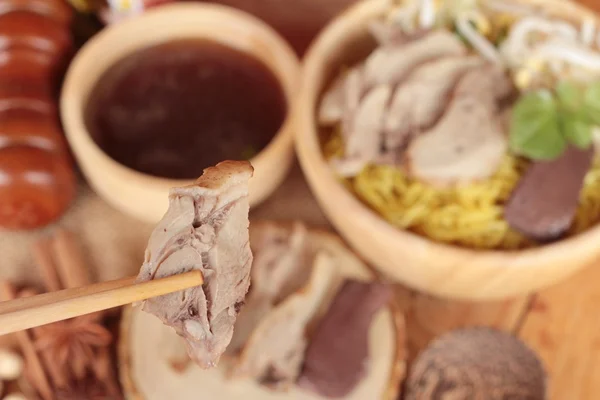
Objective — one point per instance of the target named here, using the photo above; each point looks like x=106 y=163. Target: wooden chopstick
x=29 y=312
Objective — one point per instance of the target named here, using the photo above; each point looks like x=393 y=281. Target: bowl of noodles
x=454 y=143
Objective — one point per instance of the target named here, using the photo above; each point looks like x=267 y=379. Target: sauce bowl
x=144 y=196
x=416 y=261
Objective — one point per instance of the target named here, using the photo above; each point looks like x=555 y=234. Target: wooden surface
x=560 y=323
x=593 y=4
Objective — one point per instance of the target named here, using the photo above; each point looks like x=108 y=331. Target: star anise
x=86 y=389
x=73 y=344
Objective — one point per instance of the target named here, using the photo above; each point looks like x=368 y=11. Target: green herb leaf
x=577 y=128
x=592 y=102
x=535 y=130
x=570 y=96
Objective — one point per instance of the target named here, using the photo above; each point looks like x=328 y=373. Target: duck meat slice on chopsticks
x=205 y=228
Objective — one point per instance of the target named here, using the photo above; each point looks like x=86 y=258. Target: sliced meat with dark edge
x=543 y=205
x=336 y=358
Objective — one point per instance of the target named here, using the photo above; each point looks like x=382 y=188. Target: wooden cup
x=141 y=195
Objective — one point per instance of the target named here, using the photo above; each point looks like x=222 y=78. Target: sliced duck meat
x=331 y=109
x=337 y=355
x=353 y=92
x=468 y=143
x=280 y=267
x=419 y=102
x=387 y=34
x=363 y=143
x=275 y=351
x=544 y=203
x=390 y=65
x=204 y=228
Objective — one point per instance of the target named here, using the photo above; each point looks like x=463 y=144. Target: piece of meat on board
x=337 y=355
x=205 y=228
x=275 y=351
x=544 y=203
x=281 y=266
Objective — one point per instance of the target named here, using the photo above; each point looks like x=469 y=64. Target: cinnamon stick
x=73 y=272
x=35 y=368
x=70 y=262
x=42 y=254
x=52 y=367
x=104 y=372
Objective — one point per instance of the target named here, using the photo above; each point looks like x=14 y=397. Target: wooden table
x=561 y=323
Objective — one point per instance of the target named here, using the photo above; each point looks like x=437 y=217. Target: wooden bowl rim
x=314 y=165
x=398 y=369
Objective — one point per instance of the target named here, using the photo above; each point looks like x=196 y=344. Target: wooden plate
x=150 y=354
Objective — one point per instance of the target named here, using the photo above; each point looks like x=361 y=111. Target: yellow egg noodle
x=469 y=215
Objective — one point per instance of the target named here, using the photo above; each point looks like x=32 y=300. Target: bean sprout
x=567 y=52
x=502 y=6
x=478 y=41
x=517 y=46
x=427 y=14
x=588 y=30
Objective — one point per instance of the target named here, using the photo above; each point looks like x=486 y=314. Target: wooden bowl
x=144 y=196
x=421 y=263
x=154 y=365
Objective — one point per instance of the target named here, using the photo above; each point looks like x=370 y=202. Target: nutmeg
x=11 y=365
x=36 y=31
x=27 y=127
x=477 y=364
x=37 y=189
x=58 y=10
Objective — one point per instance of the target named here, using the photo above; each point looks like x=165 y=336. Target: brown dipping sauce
x=173 y=109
